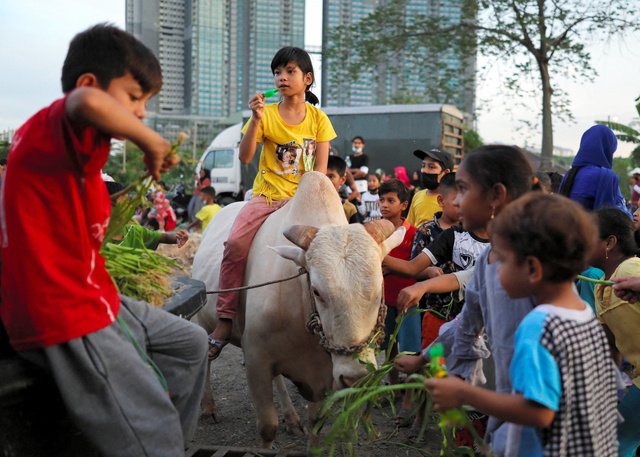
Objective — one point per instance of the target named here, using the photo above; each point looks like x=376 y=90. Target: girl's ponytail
x=310 y=97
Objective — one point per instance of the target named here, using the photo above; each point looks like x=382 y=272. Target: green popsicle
x=270 y=93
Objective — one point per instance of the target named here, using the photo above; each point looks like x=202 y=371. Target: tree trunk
x=546 y=161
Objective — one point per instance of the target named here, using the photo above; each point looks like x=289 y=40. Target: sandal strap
x=218 y=344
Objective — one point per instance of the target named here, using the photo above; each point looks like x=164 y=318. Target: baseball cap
x=443 y=157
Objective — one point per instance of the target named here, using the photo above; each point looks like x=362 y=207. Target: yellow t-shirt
x=288 y=150
x=349 y=210
x=423 y=207
x=206 y=214
x=622 y=318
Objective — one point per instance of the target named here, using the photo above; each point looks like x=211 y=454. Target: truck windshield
x=219 y=158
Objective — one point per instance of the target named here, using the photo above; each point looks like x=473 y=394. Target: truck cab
x=221 y=158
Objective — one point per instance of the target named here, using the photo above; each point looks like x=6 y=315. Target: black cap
x=443 y=157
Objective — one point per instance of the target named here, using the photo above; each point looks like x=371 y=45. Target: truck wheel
x=226 y=200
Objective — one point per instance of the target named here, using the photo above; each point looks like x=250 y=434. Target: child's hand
x=257 y=106
x=409 y=363
x=432 y=272
x=182 y=236
x=156 y=157
x=626 y=288
x=410 y=296
x=447 y=393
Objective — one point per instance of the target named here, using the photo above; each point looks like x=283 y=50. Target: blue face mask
x=356 y=150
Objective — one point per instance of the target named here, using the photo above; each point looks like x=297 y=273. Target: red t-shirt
x=393 y=284
x=54 y=209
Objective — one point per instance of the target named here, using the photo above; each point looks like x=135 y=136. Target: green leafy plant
x=347 y=411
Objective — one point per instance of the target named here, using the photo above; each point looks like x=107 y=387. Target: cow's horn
x=380 y=229
x=301 y=235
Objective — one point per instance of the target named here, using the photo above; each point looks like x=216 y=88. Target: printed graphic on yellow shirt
x=288 y=156
x=309 y=154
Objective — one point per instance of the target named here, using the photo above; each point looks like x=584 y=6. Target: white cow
x=344 y=266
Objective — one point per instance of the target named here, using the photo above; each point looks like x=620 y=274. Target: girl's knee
x=236 y=248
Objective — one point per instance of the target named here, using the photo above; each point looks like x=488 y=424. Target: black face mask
x=372 y=191
x=429 y=180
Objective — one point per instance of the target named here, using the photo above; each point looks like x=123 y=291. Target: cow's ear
x=393 y=241
x=292 y=253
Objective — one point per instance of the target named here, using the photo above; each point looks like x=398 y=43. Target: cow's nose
x=347 y=381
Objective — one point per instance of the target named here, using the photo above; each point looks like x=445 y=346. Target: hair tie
x=535 y=180
x=307 y=90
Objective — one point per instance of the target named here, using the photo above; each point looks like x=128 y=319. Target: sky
x=34 y=36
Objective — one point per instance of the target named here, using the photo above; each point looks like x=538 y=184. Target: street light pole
x=195 y=140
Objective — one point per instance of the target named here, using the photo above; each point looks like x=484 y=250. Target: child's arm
x=429 y=273
x=410 y=296
x=452 y=392
x=322 y=157
x=248 y=144
x=195 y=224
x=409 y=268
x=180 y=238
x=354 y=194
x=95 y=107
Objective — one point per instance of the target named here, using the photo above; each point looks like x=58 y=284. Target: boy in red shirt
x=394 y=200
x=59 y=305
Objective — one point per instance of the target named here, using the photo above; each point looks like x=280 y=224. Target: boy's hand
x=447 y=393
x=257 y=106
x=157 y=158
x=182 y=236
x=432 y=272
x=410 y=296
x=409 y=363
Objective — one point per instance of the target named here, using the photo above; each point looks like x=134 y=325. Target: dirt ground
x=237 y=427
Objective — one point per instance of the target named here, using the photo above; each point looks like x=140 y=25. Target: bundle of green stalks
x=348 y=411
x=137 y=273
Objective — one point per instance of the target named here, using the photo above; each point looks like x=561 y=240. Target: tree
x=4 y=149
x=183 y=173
x=627 y=134
x=471 y=139
x=540 y=38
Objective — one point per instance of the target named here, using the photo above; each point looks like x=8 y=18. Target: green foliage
x=540 y=40
x=183 y=173
x=4 y=149
x=622 y=166
x=471 y=139
x=627 y=134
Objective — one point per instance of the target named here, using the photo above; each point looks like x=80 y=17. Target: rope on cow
x=314 y=326
x=301 y=272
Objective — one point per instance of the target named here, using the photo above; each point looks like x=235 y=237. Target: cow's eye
x=317 y=294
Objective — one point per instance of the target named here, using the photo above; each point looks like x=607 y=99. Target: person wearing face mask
x=435 y=164
x=358 y=163
x=369 y=201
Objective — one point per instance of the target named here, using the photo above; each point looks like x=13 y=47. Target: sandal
x=216 y=346
x=404 y=418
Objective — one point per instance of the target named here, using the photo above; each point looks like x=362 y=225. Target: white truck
x=391 y=132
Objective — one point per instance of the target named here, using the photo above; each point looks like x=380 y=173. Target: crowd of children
x=480 y=256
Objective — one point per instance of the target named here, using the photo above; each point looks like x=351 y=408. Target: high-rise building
x=214 y=54
x=404 y=78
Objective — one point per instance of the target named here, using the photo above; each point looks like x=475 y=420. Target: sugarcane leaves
x=125 y=202
x=346 y=412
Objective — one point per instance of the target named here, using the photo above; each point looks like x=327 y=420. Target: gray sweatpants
x=114 y=397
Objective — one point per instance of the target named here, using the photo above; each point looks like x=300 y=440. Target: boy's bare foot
x=219 y=338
